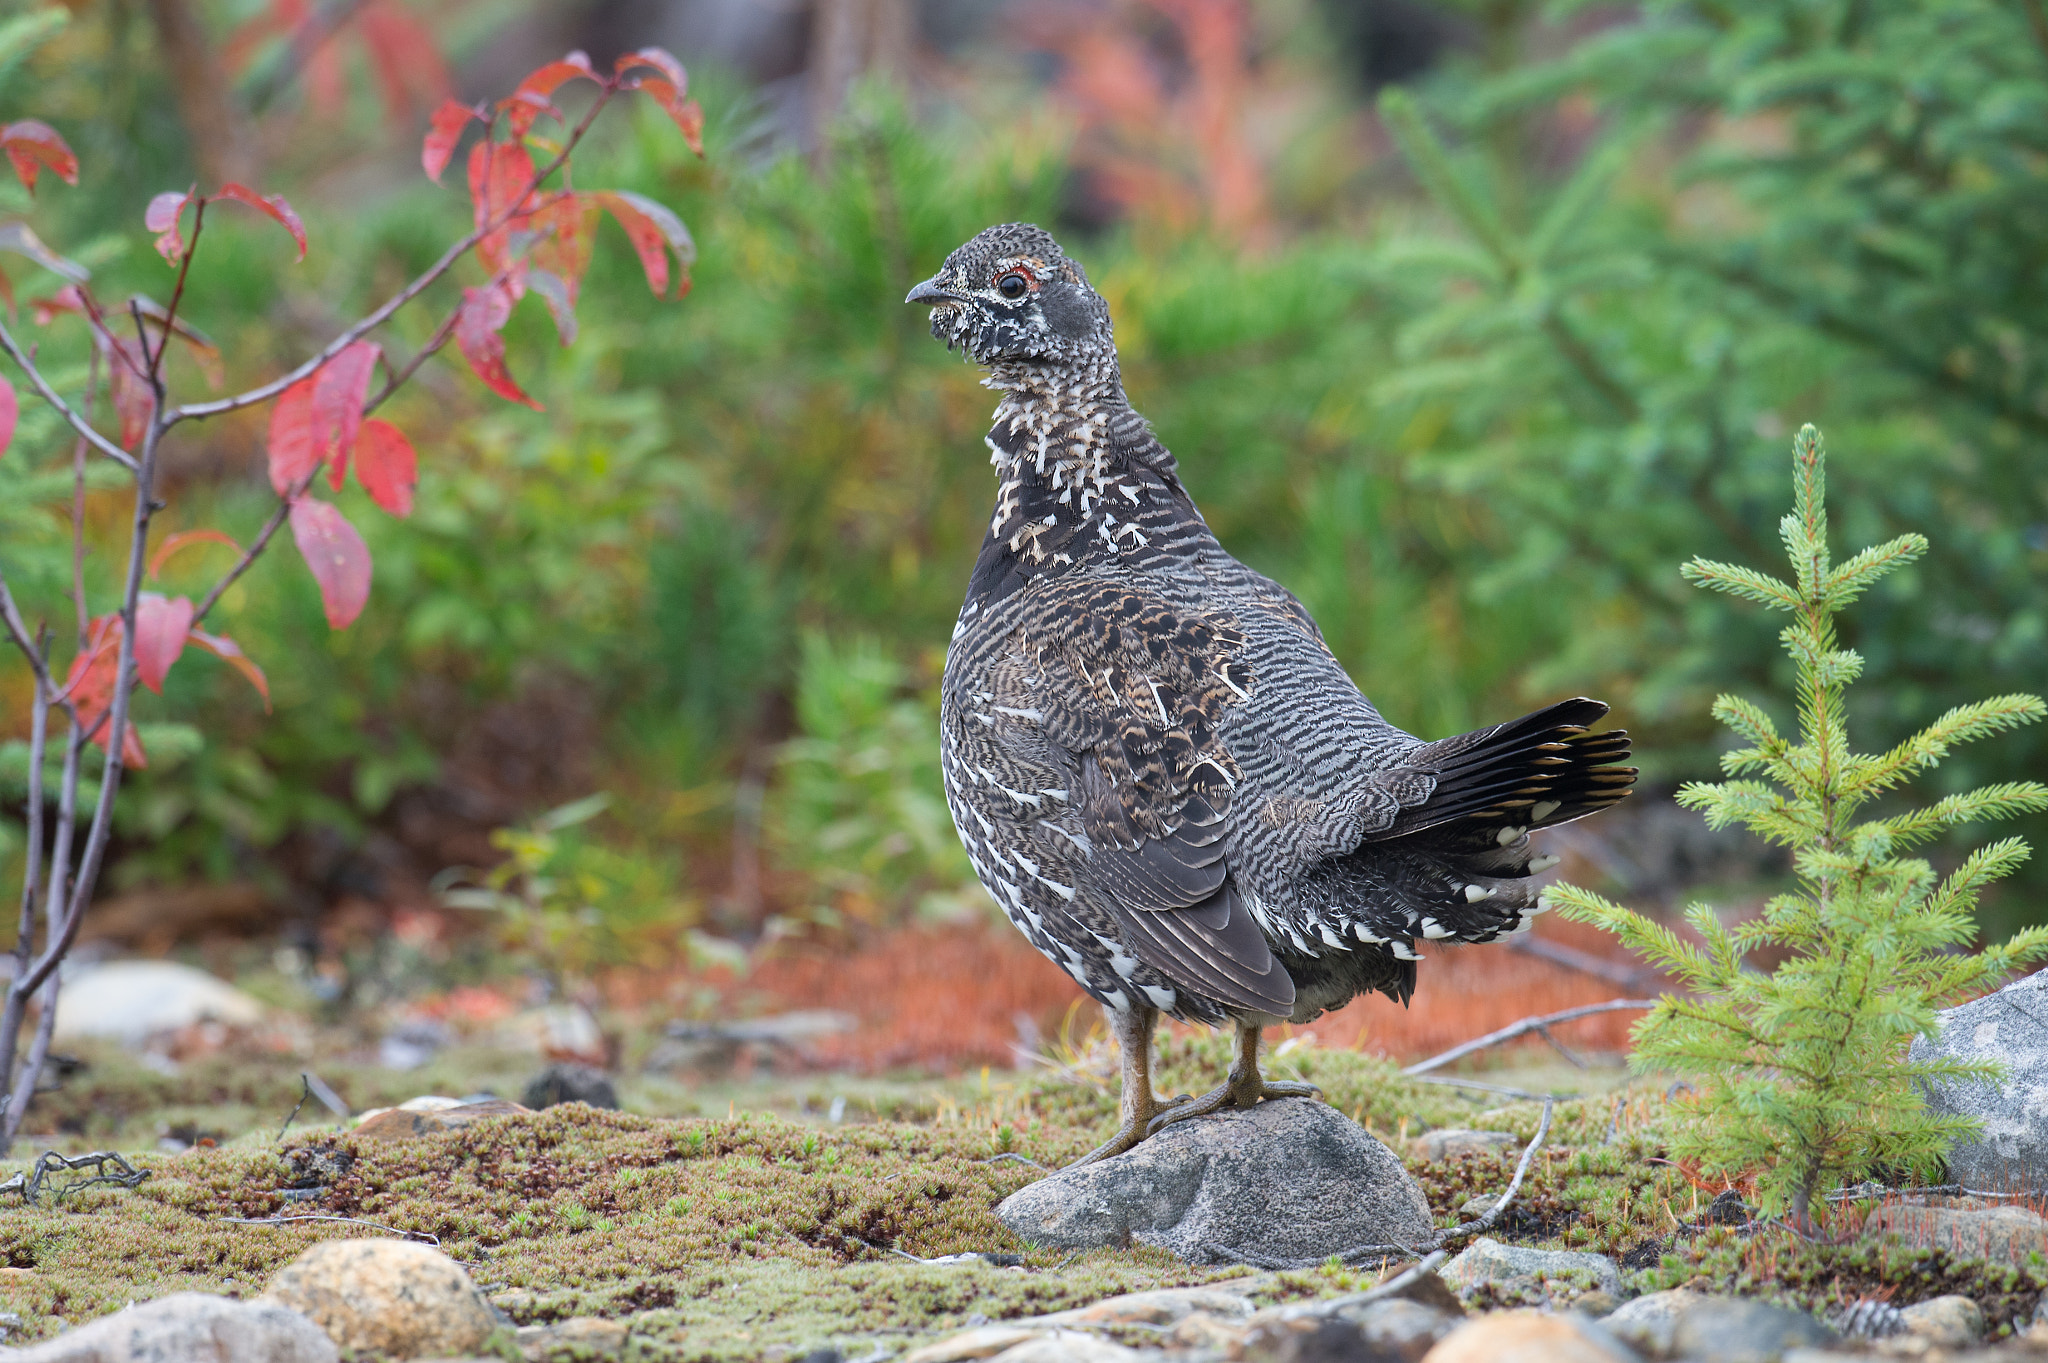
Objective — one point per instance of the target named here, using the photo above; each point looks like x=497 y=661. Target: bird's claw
x=1232 y=1094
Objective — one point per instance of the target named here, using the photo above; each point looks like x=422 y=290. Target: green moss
x=746 y=1236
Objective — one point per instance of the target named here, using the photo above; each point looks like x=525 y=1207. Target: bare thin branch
x=49 y=395
x=92 y=384
x=17 y=630
x=1523 y=1028
x=32 y=874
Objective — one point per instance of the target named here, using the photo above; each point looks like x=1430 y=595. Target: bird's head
x=1011 y=294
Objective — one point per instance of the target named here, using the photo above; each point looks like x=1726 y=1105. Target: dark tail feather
x=1538 y=771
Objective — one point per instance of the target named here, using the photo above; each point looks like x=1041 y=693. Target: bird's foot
x=1238 y=1092
x=1129 y=1134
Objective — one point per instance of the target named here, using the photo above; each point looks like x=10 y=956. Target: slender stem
x=406 y=370
x=18 y=989
x=156 y=361
x=17 y=630
x=49 y=395
x=31 y=1071
x=347 y=338
x=92 y=382
x=32 y=876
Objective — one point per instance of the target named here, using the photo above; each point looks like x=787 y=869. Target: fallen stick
x=1523 y=1028
x=1501 y=1089
x=433 y=1240
x=1500 y=1208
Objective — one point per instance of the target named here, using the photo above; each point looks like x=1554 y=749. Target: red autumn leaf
x=544 y=81
x=161 y=217
x=32 y=145
x=685 y=113
x=90 y=686
x=654 y=232
x=523 y=108
x=404 y=56
x=185 y=539
x=224 y=648
x=387 y=466
x=10 y=412
x=500 y=181
x=337 y=556
x=556 y=264
x=659 y=60
x=67 y=299
x=339 y=389
x=478 y=321
x=229 y=652
x=444 y=130
x=128 y=385
x=161 y=625
x=272 y=206
x=295 y=450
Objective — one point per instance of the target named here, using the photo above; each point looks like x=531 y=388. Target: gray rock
x=1161 y=1307
x=1488 y=1260
x=1732 y=1330
x=2002 y=1234
x=1649 y=1322
x=386 y=1296
x=2011 y=1028
x=129 y=1001
x=1061 y=1347
x=1532 y=1337
x=570 y=1083
x=1952 y=1322
x=188 y=1327
x=1290 y=1179
x=1436 y=1145
x=580 y=1337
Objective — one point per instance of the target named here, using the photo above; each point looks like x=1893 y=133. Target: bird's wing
x=1132 y=688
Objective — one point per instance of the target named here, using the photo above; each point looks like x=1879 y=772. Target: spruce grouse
x=1158 y=768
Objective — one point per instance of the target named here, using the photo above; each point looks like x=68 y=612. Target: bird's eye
x=1013 y=284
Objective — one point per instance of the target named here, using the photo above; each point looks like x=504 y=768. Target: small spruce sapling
x=1802 y=1074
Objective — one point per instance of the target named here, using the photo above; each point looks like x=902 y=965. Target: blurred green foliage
x=1472 y=405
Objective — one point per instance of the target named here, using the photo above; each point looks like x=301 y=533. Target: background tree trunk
x=219 y=150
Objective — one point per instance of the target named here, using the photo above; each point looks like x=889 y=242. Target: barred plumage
x=1156 y=765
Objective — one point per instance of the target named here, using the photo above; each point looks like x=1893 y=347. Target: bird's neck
x=1080 y=476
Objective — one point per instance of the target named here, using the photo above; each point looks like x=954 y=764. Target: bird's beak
x=931 y=292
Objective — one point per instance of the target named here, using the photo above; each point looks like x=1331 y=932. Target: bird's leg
x=1137 y=1105
x=1244 y=1088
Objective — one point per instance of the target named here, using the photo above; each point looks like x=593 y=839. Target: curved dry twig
x=1481 y=1225
x=1539 y=1025
x=433 y=1240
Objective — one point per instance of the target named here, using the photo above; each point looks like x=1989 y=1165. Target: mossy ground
x=761 y=1232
